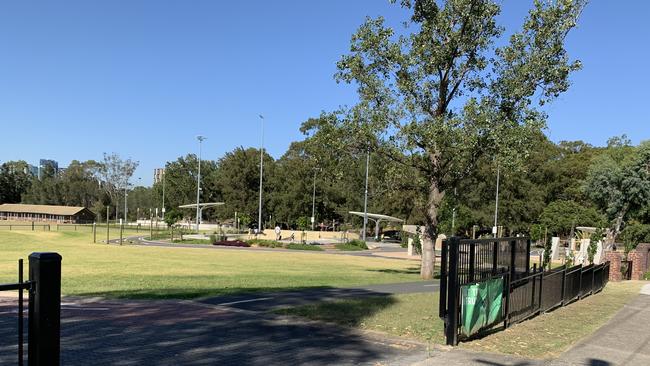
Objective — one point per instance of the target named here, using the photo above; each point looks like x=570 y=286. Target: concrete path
x=111 y=332
x=624 y=340
x=262 y=302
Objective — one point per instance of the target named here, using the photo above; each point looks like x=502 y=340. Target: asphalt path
x=268 y=301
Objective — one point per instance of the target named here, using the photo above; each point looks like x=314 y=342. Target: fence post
x=507 y=293
x=444 y=276
x=44 y=309
x=94 y=232
x=528 y=256
x=472 y=259
x=563 y=284
x=495 y=253
x=451 y=323
x=32 y=225
x=513 y=247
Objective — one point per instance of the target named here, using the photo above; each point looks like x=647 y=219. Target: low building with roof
x=60 y=214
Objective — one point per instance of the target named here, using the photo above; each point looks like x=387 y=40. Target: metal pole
x=44 y=328
x=496 y=205
x=313 y=203
x=107 y=225
x=163 y=196
x=259 y=216
x=365 y=200
x=198 y=184
x=126 y=186
x=453 y=216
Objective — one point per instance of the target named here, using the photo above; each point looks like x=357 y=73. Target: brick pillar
x=638 y=264
x=643 y=250
x=614 y=259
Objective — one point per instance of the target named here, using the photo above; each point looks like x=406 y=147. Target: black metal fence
x=527 y=291
x=44 y=309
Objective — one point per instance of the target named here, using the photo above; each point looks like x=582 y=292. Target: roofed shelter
x=377 y=218
x=61 y=214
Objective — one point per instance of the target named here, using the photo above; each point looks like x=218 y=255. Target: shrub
x=358 y=243
x=265 y=243
x=347 y=247
x=232 y=243
x=296 y=246
x=213 y=238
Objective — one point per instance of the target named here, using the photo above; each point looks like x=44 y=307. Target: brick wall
x=639 y=258
x=614 y=259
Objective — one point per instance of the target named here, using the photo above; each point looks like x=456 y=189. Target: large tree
x=619 y=182
x=445 y=94
x=14 y=181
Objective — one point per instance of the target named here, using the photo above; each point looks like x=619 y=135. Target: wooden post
x=94 y=232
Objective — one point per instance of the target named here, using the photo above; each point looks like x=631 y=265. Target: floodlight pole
x=365 y=200
x=126 y=186
x=259 y=216
x=163 y=196
x=496 y=205
x=313 y=202
x=198 y=185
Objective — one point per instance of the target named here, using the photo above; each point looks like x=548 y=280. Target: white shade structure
x=377 y=218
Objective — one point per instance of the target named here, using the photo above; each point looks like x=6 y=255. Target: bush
x=232 y=243
x=347 y=247
x=358 y=243
x=635 y=233
x=213 y=238
x=266 y=243
x=303 y=247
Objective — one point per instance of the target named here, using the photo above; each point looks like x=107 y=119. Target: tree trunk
x=431 y=232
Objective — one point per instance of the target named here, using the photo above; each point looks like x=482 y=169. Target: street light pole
x=313 y=202
x=126 y=185
x=198 y=185
x=496 y=205
x=365 y=200
x=259 y=217
x=163 y=196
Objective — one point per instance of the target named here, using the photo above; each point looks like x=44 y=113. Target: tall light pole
x=496 y=205
x=365 y=199
x=259 y=217
x=126 y=185
x=313 y=202
x=163 y=196
x=198 y=184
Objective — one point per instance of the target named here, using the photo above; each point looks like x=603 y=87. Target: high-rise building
x=158 y=175
x=45 y=164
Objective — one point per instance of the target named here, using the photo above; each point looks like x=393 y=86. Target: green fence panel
x=481 y=305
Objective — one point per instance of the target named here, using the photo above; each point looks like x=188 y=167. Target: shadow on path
x=186 y=333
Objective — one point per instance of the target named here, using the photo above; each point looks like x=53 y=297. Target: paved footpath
x=624 y=340
x=127 y=332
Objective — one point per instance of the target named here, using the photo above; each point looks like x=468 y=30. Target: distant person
x=278 y=233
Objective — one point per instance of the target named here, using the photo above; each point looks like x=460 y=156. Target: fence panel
x=552 y=289
x=572 y=284
x=587 y=281
x=524 y=299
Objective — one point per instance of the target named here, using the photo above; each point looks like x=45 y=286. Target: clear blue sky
x=143 y=78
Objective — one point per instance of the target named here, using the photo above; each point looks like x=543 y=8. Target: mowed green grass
x=160 y=272
x=415 y=316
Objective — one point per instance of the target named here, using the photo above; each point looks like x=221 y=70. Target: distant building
x=62 y=214
x=158 y=175
x=31 y=170
x=46 y=163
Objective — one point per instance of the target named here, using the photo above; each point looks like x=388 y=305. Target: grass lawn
x=416 y=316
x=165 y=272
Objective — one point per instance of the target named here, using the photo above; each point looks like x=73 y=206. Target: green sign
x=481 y=305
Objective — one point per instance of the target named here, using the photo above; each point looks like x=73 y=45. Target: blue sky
x=143 y=78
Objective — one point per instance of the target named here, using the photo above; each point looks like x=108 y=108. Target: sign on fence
x=481 y=305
